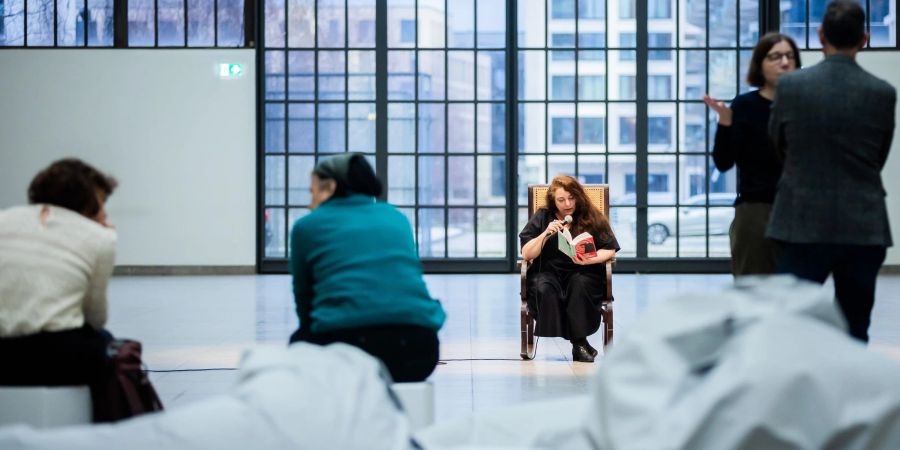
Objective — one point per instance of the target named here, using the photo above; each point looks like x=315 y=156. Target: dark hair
x=755 y=75
x=351 y=173
x=71 y=184
x=587 y=216
x=844 y=24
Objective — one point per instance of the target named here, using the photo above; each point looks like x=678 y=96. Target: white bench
x=418 y=402
x=45 y=406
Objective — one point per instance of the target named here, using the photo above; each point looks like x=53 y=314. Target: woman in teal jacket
x=357 y=277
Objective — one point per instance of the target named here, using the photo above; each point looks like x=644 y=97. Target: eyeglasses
x=776 y=56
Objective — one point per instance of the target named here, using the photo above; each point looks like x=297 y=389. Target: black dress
x=565 y=297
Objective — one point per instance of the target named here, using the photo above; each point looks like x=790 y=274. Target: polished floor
x=195 y=328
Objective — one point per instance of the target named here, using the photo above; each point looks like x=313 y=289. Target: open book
x=583 y=244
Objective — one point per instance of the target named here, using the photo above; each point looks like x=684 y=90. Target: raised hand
x=720 y=108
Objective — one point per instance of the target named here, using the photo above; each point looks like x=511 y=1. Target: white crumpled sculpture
x=765 y=365
x=300 y=397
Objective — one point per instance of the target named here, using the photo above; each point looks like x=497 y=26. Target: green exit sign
x=231 y=70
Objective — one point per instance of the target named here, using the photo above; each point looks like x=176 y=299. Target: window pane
x=330 y=21
x=401 y=23
x=461 y=173
x=361 y=127
x=431 y=127
x=723 y=73
x=531 y=75
x=431 y=75
x=626 y=9
x=461 y=75
x=431 y=23
x=561 y=124
x=531 y=22
x=491 y=23
x=100 y=23
x=461 y=23
x=231 y=23
x=401 y=74
x=659 y=130
x=491 y=233
x=361 y=67
x=627 y=88
x=591 y=87
x=362 y=24
x=274 y=23
x=401 y=128
x=141 y=31
x=491 y=75
x=12 y=27
x=491 y=128
x=693 y=29
x=331 y=128
x=40 y=23
x=301 y=23
x=301 y=73
x=201 y=24
x=171 y=23
x=622 y=124
x=532 y=170
x=460 y=127
x=793 y=21
x=275 y=233
x=274 y=180
x=560 y=165
x=748 y=32
x=491 y=180
x=431 y=233
x=69 y=24
x=301 y=128
x=431 y=180
x=883 y=23
x=563 y=9
x=300 y=170
x=659 y=9
x=461 y=233
x=274 y=128
x=562 y=87
x=402 y=186
x=592 y=169
x=591 y=130
x=532 y=129
x=331 y=75
x=693 y=127
x=692 y=82
x=661 y=232
x=274 y=73
x=591 y=9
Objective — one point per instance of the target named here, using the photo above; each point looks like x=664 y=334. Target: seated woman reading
x=564 y=292
x=357 y=277
x=56 y=257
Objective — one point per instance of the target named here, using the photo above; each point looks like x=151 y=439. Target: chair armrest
x=523 y=269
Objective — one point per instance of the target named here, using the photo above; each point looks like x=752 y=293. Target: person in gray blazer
x=832 y=124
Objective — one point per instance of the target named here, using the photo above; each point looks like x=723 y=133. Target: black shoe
x=581 y=353
x=591 y=349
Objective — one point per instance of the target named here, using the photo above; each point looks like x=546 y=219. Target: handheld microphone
x=567 y=219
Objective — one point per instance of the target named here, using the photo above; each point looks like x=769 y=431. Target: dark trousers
x=855 y=269
x=566 y=305
x=410 y=352
x=58 y=358
x=751 y=251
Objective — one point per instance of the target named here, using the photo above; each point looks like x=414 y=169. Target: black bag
x=126 y=390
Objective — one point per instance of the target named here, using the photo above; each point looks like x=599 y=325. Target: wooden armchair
x=537 y=196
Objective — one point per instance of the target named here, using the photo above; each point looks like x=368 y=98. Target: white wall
x=884 y=65
x=180 y=140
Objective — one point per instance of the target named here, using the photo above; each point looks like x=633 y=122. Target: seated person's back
x=56 y=257
x=357 y=277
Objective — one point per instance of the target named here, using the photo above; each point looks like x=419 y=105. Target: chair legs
x=527 y=326
x=607 y=319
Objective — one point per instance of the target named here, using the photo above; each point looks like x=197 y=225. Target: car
x=691 y=220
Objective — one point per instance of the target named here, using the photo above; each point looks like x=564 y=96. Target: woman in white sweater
x=56 y=257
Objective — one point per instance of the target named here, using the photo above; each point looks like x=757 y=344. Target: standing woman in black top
x=742 y=139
